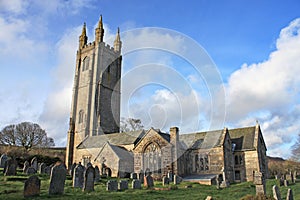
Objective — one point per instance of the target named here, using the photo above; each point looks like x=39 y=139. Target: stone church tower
x=95 y=106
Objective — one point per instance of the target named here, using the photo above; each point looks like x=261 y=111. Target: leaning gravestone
x=89 y=179
x=57 y=179
x=26 y=166
x=34 y=163
x=78 y=177
x=32 y=186
x=3 y=159
x=30 y=171
x=112 y=185
x=97 y=174
x=148 y=181
x=289 y=195
x=136 y=184
x=276 y=193
x=10 y=168
x=123 y=185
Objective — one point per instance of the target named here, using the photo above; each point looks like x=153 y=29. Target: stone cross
x=78 y=177
x=276 y=193
x=32 y=186
x=34 y=163
x=136 y=184
x=57 y=179
x=89 y=179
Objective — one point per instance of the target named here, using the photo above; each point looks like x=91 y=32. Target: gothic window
x=152 y=158
x=85 y=63
x=81 y=116
x=204 y=162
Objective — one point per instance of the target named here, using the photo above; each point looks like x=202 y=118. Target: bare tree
x=296 y=150
x=130 y=124
x=25 y=134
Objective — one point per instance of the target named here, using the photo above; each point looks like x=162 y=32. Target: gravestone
x=57 y=179
x=34 y=163
x=89 y=178
x=3 y=159
x=32 y=186
x=170 y=176
x=281 y=182
x=88 y=164
x=224 y=183
x=30 y=171
x=286 y=183
x=47 y=170
x=276 y=176
x=112 y=185
x=73 y=168
x=177 y=179
x=141 y=177
x=123 y=185
x=42 y=167
x=26 y=166
x=78 y=176
x=10 y=168
x=209 y=198
x=294 y=176
x=165 y=181
x=289 y=195
x=148 y=181
x=133 y=175
x=276 y=193
x=289 y=177
x=260 y=185
x=136 y=184
x=97 y=174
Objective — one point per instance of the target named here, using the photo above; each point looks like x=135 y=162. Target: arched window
x=85 y=63
x=152 y=158
x=81 y=116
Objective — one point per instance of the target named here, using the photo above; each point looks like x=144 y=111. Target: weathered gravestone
x=26 y=166
x=47 y=170
x=73 y=168
x=123 y=185
x=32 y=186
x=165 y=181
x=177 y=179
x=89 y=178
x=148 y=181
x=57 y=179
x=133 y=175
x=289 y=195
x=260 y=184
x=3 y=159
x=286 y=183
x=10 y=167
x=34 y=163
x=136 y=184
x=78 y=176
x=112 y=185
x=42 y=167
x=276 y=193
x=30 y=171
x=294 y=176
x=170 y=176
x=289 y=177
x=224 y=182
x=97 y=174
x=141 y=177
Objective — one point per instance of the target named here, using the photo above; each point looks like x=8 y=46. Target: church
x=94 y=135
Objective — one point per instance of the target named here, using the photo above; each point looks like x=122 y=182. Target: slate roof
x=99 y=141
x=122 y=153
x=243 y=138
x=203 y=140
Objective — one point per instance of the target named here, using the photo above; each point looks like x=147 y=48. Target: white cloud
x=270 y=87
x=13 y=6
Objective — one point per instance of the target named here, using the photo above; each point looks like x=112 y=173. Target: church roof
x=122 y=153
x=201 y=140
x=243 y=138
x=97 y=141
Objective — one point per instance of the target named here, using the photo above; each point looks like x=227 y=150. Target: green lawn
x=12 y=188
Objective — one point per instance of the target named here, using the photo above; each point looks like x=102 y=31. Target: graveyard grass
x=11 y=187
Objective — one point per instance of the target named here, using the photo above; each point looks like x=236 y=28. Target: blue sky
x=254 y=47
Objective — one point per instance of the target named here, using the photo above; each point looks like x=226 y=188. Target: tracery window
x=203 y=163
x=152 y=158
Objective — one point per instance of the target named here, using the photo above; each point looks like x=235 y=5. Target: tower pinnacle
x=117 y=42
x=99 y=31
x=83 y=38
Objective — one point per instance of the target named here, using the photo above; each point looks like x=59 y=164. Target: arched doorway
x=152 y=159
